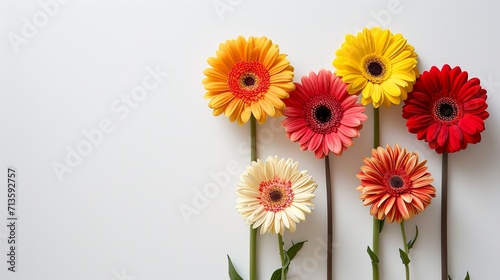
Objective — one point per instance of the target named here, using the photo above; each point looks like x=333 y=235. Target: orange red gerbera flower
x=395 y=183
x=446 y=109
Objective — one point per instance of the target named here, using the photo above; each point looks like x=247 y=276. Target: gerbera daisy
x=380 y=65
x=321 y=116
x=395 y=184
x=275 y=195
x=446 y=109
x=248 y=77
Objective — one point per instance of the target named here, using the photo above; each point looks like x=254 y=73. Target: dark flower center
x=323 y=113
x=248 y=80
x=396 y=182
x=375 y=68
x=446 y=110
x=275 y=195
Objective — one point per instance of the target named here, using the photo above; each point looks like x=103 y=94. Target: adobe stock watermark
x=32 y=26
x=223 y=6
x=383 y=17
x=122 y=107
x=221 y=179
x=121 y=275
x=301 y=269
x=489 y=84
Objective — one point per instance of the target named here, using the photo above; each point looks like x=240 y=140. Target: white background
x=117 y=214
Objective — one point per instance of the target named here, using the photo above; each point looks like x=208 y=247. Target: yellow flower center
x=249 y=81
x=276 y=194
x=375 y=68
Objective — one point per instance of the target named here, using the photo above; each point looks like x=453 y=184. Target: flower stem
x=282 y=255
x=329 y=198
x=444 y=217
x=376 y=222
x=253 y=139
x=375 y=249
x=406 y=249
x=253 y=231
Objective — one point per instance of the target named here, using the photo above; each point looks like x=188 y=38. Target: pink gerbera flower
x=321 y=116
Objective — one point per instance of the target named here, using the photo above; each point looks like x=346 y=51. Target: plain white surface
x=117 y=215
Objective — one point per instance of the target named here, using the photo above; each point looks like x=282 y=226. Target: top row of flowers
x=251 y=77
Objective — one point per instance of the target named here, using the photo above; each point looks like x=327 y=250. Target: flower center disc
x=376 y=68
x=249 y=81
x=323 y=113
x=397 y=182
x=446 y=111
x=276 y=194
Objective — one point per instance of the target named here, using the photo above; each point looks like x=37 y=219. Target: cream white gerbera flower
x=275 y=195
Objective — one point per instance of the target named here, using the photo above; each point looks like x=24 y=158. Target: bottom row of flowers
x=275 y=195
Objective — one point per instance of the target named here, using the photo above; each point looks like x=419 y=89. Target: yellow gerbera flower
x=380 y=65
x=248 y=77
x=275 y=195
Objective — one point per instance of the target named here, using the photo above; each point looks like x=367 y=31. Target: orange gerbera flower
x=248 y=77
x=395 y=184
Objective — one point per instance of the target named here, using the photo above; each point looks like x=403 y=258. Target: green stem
x=253 y=231
x=375 y=249
x=444 y=217
x=253 y=139
x=282 y=256
x=376 y=222
x=329 y=207
x=407 y=251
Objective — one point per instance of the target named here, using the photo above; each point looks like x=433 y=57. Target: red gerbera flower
x=321 y=116
x=446 y=109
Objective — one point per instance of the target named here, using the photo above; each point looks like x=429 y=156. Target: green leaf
x=412 y=242
x=292 y=252
x=372 y=255
x=277 y=273
x=233 y=275
x=467 y=277
x=449 y=278
x=404 y=257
